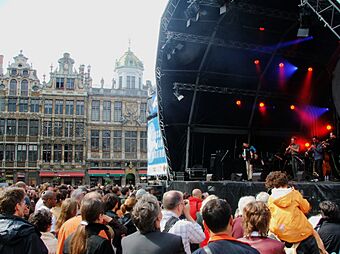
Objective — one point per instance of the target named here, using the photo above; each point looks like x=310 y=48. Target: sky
x=95 y=33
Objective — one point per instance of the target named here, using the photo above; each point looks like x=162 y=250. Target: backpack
x=169 y=224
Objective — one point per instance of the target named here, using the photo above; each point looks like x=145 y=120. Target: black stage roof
x=210 y=61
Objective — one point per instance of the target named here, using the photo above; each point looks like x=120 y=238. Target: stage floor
x=233 y=190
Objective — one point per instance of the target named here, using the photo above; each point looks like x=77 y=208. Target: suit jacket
x=152 y=243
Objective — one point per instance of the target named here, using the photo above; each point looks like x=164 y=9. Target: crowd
x=110 y=219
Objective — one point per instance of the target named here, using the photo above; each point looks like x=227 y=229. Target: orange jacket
x=288 y=221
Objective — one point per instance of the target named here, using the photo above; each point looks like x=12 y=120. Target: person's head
x=116 y=190
x=125 y=191
x=173 y=201
x=197 y=193
x=329 y=210
x=92 y=211
x=128 y=204
x=78 y=195
x=146 y=214
x=49 y=198
x=245 y=145
x=206 y=200
x=12 y=202
x=217 y=216
x=256 y=217
x=140 y=193
x=243 y=201
x=111 y=202
x=262 y=196
x=315 y=139
x=42 y=220
x=293 y=140
x=21 y=184
x=332 y=135
x=68 y=210
x=276 y=179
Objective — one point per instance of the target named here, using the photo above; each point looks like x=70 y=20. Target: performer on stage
x=317 y=150
x=293 y=150
x=332 y=148
x=249 y=155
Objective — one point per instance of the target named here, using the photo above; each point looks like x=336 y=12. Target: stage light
x=307 y=145
x=238 y=103
x=292 y=107
x=257 y=62
x=281 y=65
x=261 y=28
x=329 y=127
x=310 y=69
x=261 y=105
x=178 y=95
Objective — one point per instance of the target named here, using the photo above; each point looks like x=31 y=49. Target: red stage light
x=261 y=28
x=310 y=69
x=261 y=104
x=238 y=103
x=281 y=65
x=292 y=107
x=329 y=127
x=307 y=144
x=256 y=61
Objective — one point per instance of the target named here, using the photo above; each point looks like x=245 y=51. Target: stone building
x=20 y=100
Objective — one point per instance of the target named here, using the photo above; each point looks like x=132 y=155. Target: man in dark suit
x=148 y=239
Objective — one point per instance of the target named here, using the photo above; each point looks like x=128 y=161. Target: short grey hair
x=145 y=213
x=243 y=202
x=263 y=197
x=171 y=199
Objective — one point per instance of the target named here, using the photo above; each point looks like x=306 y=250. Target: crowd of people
x=124 y=220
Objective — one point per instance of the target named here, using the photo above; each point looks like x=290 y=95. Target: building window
x=22 y=127
x=79 y=130
x=117 y=141
x=106 y=140
x=68 y=153
x=120 y=81
x=69 y=108
x=48 y=107
x=80 y=108
x=47 y=153
x=131 y=144
x=140 y=83
x=2 y=150
x=58 y=108
x=24 y=88
x=57 y=153
x=128 y=82
x=59 y=83
x=25 y=73
x=78 y=156
x=2 y=104
x=2 y=126
x=106 y=111
x=13 y=87
x=34 y=105
x=70 y=84
x=33 y=153
x=95 y=110
x=117 y=111
x=94 y=164
x=23 y=105
x=12 y=105
x=95 y=140
x=34 y=127
x=58 y=129
x=47 y=129
x=143 y=112
x=14 y=72
x=10 y=152
x=68 y=129
x=143 y=141
x=133 y=82
x=21 y=153
x=11 y=127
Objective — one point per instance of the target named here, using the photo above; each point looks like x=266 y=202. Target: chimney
x=1 y=65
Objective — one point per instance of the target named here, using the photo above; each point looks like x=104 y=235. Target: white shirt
x=191 y=232
x=50 y=241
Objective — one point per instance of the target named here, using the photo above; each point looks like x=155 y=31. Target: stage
x=233 y=190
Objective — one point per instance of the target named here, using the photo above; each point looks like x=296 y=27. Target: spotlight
x=307 y=145
x=292 y=107
x=261 y=105
x=281 y=65
x=305 y=21
x=261 y=28
x=329 y=127
x=238 y=103
x=257 y=62
x=310 y=69
x=178 y=95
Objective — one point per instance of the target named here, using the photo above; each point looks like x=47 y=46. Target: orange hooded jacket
x=288 y=221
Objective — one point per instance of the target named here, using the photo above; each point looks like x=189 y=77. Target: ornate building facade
x=67 y=131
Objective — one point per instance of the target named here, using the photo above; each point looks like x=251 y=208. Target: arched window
x=24 y=88
x=13 y=87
